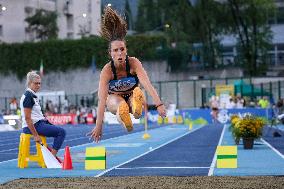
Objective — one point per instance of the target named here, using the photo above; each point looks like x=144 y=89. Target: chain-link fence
x=196 y=93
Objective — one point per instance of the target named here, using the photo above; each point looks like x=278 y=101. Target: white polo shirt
x=30 y=100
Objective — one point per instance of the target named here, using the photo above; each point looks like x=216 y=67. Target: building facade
x=276 y=53
x=75 y=18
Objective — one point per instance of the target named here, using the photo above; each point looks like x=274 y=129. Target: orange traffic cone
x=67 y=164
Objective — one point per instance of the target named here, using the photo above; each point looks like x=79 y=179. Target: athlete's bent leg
x=117 y=105
x=137 y=101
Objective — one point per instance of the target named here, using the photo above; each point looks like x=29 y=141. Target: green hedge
x=63 y=55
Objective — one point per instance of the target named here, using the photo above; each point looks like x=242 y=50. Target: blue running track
x=172 y=150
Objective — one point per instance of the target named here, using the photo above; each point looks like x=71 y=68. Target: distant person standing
x=13 y=106
x=263 y=102
x=240 y=102
x=33 y=121
x=214 y=104
x=231 y=104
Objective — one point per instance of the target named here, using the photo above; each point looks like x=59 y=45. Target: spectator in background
x=65 y=105
x=82 y=102
x=94 y=112
x=240 y=102
x=214 y=104
x=279 y=110
x=13 y=106
x=87 y=102
x=263 y=102
x=231 y=104
x=33 y=121
x=51 y=106
x=280 y=106
x=47 y=110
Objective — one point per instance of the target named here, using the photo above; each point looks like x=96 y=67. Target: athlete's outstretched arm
x=96 y=133
x=144 y=80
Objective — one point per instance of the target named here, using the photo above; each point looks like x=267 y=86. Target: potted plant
x=248 y=128
x=235 y=131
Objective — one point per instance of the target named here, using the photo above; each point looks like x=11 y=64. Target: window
x=280 y=15
x=70 y=35
x=70 y=22
x=29 y=11
x=69 y=2
x=90 y=26
x=280 y=47
x=89 y=6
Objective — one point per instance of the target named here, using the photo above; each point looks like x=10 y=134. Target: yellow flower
x=248 y=126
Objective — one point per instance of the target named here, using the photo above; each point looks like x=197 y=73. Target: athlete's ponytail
x=113 y=26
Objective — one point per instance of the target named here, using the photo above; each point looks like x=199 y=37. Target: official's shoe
x=123 y=116
x=137 y=102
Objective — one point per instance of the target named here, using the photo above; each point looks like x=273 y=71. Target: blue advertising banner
x=204 y=114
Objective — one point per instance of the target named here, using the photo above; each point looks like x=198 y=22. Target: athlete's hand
x=37 y=139
x=162 y=111
x=96 y=134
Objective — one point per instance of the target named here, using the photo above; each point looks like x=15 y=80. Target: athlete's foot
x=123 y=116
x=137 y=102
x=54 y=152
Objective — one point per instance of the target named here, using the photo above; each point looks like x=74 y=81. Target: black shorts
x=215 y=109
x=126 y=96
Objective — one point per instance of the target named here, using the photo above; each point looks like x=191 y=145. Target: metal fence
x=195 y=93
x=185 y=94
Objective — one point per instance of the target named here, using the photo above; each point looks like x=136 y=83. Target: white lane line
x=163 y=168
x=59 y=150
x=115 y=167
x=70 y=140
x=50 y=138
x=12 y=138
x=213 y=163
x=274 y=149
x=80 y=138
x=86 y=144
x=8 y=160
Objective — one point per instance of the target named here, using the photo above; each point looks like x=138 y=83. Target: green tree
x=148 y=16
x=187 y=24
x=250 y=23
x=43 y=23
x=177 y=15
x=206 y=26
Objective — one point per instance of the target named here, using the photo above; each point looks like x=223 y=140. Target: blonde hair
x=113 y=26
x=31 y=76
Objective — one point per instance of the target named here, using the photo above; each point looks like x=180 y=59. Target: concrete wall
x=84 y=81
